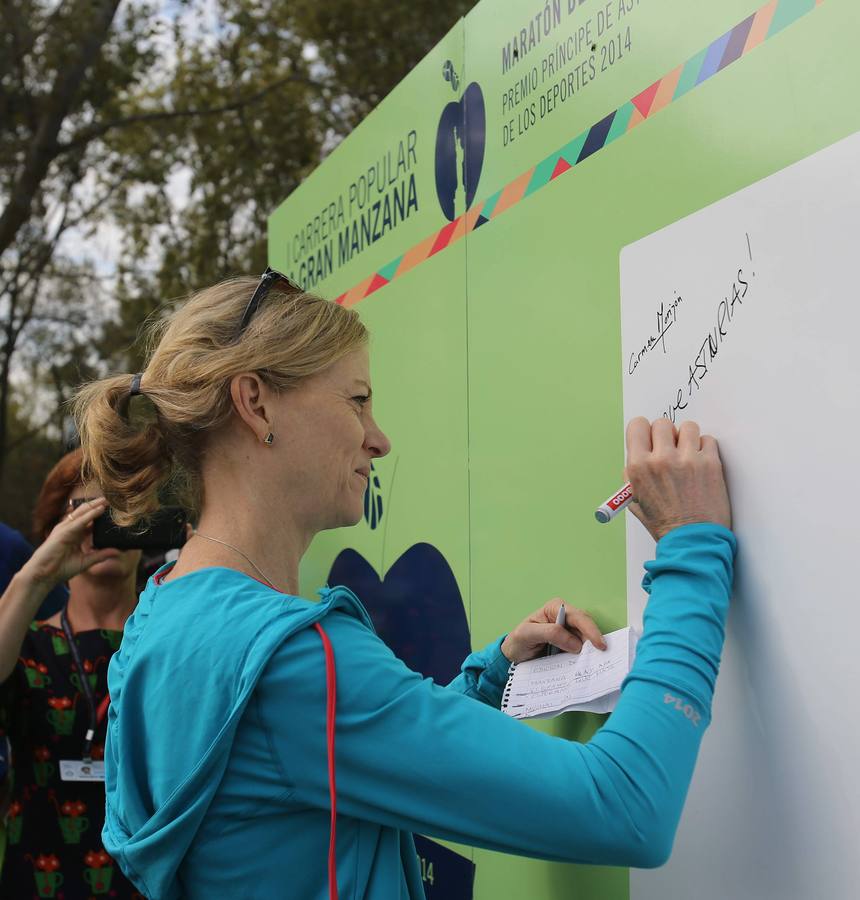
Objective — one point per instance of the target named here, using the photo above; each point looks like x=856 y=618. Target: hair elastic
x=133 y=391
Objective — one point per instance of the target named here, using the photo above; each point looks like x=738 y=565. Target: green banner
x=476 y=218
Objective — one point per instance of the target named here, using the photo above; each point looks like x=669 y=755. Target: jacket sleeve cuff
x=484 y=674
x=695 y=539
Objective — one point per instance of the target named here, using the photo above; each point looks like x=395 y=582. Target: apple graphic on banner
x=416 y=609
x=460 y=140
x=373 y=499
x=444 y=873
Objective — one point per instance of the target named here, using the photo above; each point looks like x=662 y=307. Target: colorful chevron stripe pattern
x=763 y=24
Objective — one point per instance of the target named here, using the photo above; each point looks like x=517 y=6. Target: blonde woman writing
x=261 y=744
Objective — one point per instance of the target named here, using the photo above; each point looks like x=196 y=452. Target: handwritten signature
x=666 y=318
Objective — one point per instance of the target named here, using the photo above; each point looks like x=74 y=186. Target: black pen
x=559 y=620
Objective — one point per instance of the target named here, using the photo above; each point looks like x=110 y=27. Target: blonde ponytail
x=131 y=463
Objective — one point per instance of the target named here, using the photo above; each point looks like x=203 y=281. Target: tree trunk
x=8 y=347
x=43 y=149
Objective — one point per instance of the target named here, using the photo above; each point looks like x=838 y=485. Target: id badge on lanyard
x=81 y=770
x=86 y=768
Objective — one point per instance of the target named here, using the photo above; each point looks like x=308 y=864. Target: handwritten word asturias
x=666 y=318
x=698 y=369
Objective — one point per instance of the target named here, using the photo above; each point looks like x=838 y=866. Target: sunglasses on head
x=270 y=278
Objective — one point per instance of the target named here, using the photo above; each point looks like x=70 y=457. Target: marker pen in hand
x=559 y=620
x=619 y=501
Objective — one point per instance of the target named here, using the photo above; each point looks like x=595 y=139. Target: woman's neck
x=267 y=551
x=101 y=603
x=245 y=524
x=233 y=549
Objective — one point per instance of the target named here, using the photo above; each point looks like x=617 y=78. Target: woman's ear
x=249 y=393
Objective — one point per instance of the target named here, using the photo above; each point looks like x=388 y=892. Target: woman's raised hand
x=677 y=476
x=61 y=557
x=530 y=638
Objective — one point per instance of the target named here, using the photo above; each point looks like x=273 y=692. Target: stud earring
x=269 y=439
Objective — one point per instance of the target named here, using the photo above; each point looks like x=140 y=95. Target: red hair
x=58 y=484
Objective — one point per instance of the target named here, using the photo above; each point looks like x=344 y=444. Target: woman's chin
x=346 y=519
x=357 y=514
x=113 y=567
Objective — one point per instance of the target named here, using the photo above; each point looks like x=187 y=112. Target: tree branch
x=90 y=134
x=35 y=270
x=58 y=320
x=85 y=213
x=43 y=148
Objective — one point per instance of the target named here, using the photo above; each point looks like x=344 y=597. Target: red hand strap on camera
x=331 y=689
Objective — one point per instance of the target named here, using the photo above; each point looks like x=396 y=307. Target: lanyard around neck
x=86 y=687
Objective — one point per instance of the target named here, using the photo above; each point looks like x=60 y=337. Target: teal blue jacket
x=217 y=783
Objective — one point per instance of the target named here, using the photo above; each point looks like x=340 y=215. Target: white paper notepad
x=589 y=681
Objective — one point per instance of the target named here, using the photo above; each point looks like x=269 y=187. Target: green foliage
x=167 y=132
x=315 y=70
x=30 y=456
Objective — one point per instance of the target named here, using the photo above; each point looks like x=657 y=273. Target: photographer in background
x=54 y=699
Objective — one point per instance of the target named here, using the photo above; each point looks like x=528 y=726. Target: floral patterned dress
x=53 y=827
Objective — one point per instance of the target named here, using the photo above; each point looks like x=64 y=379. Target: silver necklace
x=237 y=550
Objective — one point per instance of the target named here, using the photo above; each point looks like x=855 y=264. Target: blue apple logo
x=460 y=140
x=373 y=500
x=416 y=609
